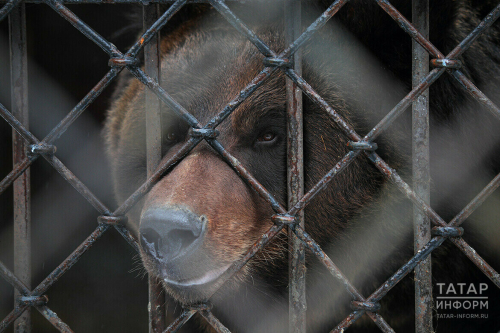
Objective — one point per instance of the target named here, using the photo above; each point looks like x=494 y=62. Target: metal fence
x=28 y=148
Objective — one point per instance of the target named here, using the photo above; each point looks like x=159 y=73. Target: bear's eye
x=268 y=137
x=171 y=137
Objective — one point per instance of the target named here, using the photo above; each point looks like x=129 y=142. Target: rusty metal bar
x=295 y=176
x=81 y=106
x=341 y=165
x=164 y=96
x=476 y=202
x=242 y=28
x=24 y=291
x=98 y=2
x=152 y=30
x=247 y=177
x=435 y=218
x=164 y=167
x=56 y=132
x=480 y=263
x=404 y=103
x=53 y=278
x=475 y=34
x=476 y=93
x=13 y=315
x=243 y=95
x=21 y=289
x=212 y=320
x=180 y=321
x=393 y=280
x=54 y=319
x=75 y=21
x=421 y=169
x=17 y=125
x=156 y=306
x=335 y=271
x=259 y=245
x=409 y=28
x=70 y=260
x=315 y=97
x=22 y=185
x=13 y=279
x=5 y=10
x=315 y=26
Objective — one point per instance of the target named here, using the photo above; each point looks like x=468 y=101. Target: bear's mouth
x=208 y=277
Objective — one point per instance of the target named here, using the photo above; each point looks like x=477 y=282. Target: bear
x=201 y=216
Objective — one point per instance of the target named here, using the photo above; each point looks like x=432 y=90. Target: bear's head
x=202 y=216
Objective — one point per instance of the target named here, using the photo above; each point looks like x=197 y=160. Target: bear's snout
x=171 y=233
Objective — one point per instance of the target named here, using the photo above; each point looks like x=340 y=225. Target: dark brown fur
x=205 y=64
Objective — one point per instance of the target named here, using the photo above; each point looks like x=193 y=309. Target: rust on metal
x=446 y=63
x=447 y=231
x=33 y=300
x=112 y=220
x=22 y=185
x=298 y=201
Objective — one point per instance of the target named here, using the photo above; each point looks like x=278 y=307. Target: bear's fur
x=360 y=63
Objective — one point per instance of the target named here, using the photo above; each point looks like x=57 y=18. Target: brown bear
x=202 y=216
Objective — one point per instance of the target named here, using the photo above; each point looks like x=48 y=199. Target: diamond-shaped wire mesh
x=283 y=217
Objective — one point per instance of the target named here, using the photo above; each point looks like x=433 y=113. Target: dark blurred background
x=100 y=293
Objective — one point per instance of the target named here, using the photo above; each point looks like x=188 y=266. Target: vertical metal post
x=22 y=195
x=152 y=65
x=421 y=172
x=297 y=268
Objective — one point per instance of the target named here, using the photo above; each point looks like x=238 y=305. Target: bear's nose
x=167 y=234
